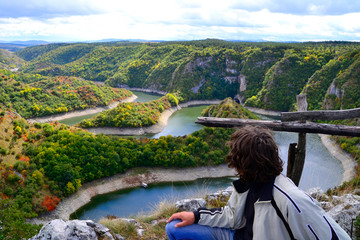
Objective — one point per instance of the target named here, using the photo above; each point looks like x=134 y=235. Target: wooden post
x=291 y=159
x=297 y=159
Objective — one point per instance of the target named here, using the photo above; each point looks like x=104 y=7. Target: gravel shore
x=129 y=180
x=349 y=164
x=78 y=113
x=154 y=128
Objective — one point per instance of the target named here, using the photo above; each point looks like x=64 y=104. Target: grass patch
x=120 y=227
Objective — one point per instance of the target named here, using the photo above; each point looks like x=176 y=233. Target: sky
x=244 y=20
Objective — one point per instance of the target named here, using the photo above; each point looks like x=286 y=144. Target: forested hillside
x=36 y=95
x=228 y=109
x=265 y=75
x=42 y=163
x=132 y=114
x=9 y=60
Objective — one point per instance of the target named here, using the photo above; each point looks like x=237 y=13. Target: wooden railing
x=296 y=122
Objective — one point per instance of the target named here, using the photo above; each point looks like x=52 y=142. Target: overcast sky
x=270 y=20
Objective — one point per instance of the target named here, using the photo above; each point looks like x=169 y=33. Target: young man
x=264 y=205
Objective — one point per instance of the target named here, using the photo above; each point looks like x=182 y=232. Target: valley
x=42 y=164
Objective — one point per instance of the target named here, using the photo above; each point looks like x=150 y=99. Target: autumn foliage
x=50 y=203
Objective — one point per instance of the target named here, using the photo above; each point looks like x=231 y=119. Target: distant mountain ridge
x=15 y=46
x=26 y=43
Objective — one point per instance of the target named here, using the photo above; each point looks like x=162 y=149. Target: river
x=131 y=202
x=321 y=169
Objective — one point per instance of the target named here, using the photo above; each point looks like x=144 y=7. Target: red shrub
x=50 y=203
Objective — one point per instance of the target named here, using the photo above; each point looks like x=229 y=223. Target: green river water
x=321 y=169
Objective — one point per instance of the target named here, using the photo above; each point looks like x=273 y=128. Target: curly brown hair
x=254 y=154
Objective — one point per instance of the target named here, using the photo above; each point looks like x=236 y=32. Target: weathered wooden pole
x=308 y=127
x=297 y=152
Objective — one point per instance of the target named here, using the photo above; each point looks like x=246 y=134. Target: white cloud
x=183 y=19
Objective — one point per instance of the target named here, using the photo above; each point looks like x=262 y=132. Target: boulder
x=75 y=230
x=343 y=209
x=347 y=208
x=222 y=194
x=190 y=204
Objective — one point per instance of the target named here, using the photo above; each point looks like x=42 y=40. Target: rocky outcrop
x=221 y=194
x=197 y=88
x=75 y=230
x=202 y=62
x=333 y=90
x=190 y=204
x=343 y=209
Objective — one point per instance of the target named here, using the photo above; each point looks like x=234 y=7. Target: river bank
x=349 y=164
x=158 y=127
x=264 y=112
x=78 y=113
x=145 y=90
x=129 y=180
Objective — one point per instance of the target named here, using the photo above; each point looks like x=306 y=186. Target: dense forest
x=265 y=75
x=133 y=114
x=33 y=95
x=42 y=163
x=228 y=109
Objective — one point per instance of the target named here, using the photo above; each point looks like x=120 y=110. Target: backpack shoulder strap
x=286 y=224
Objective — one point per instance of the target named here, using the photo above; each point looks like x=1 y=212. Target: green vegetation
x=42 y=163
x=211 y=69
x=339 y=73
x=228 y=109
x=46 y=162
x=23 y=188
x=132 y=114
x=72 y=157
x=350 y=145
x=286 y=78
x=13 y=222
x=35 y=95
x=9 y=60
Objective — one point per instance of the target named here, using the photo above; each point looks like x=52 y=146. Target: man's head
x=254 y=154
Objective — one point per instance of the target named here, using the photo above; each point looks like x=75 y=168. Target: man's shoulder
x=287 y=192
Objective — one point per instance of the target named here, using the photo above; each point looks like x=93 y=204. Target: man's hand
x=187 y=218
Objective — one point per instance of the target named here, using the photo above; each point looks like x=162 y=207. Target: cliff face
x=344 y=90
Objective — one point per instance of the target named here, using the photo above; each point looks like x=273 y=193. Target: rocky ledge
x=343 y=209
x=75 y=230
